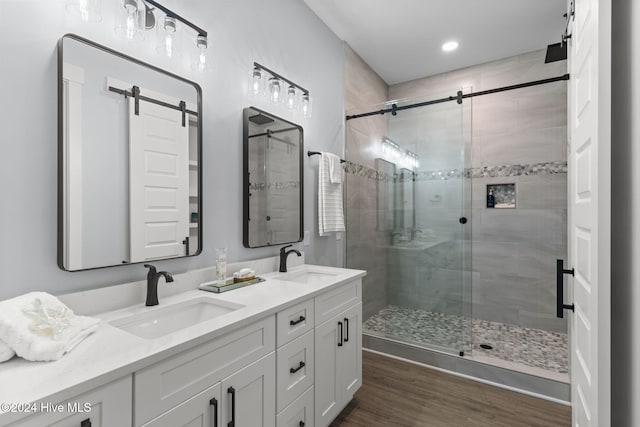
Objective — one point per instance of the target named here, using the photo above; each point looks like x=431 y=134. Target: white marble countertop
x=111 y=353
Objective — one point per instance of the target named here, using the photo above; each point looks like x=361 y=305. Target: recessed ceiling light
x=450 y=46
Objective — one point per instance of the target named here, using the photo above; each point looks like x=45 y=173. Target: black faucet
x=284 y=254
x=152 y=284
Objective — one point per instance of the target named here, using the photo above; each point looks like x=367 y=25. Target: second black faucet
x=284 y=254
x=152 y=284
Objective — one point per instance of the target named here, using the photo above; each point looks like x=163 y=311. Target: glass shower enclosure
x=420 y=162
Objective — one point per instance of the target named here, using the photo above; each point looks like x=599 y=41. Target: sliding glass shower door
x=422 y=227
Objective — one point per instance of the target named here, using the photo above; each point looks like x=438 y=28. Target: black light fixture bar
x=459 y=97
x=274 y=74
x=172 y=14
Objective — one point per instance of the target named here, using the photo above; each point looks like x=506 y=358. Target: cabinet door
x=328 y=344
x=249 y=395
x=107 y=406
x=202 y=410
x=350 y=354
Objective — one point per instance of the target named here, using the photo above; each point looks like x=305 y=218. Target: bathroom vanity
x=285 y=352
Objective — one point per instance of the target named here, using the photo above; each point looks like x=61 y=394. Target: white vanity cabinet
x=106 y=406
x=338 y=351
x=169 y=383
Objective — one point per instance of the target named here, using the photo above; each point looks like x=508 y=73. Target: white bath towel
x=330 y=209
x=6 y=352
x=38 y=327
x=335 y=168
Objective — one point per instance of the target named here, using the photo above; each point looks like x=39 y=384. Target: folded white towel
x=335 y=168
x=330 y=209
x=38 y=327
x=6 y=352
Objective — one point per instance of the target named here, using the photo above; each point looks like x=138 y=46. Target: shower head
x=260 y=119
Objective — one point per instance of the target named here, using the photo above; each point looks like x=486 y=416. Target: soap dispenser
x=491 y=200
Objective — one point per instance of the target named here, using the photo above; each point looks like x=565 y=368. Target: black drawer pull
x=341 y=336
x=214 y=402
x=85 y=423
x=295 y=322
x=301 y=424
x=300 y=366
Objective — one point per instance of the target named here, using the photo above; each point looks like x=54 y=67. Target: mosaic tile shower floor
x=530 y=347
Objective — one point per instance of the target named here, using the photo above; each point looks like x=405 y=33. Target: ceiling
x=401 y=39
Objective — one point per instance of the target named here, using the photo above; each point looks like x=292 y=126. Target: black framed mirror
x=273 y=180
x=129 y=162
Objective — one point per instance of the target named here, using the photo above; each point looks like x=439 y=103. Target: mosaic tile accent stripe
x=530 y=347
x=502 y=171
x=261 y=186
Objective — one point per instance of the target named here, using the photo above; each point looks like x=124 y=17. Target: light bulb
x=291 y=98
x=275 y=89
x=130 y=16
x=200 y=62
x=167 y=37
x=256 y=81
x=87 y=10
x=131 y=22
x=306 y=105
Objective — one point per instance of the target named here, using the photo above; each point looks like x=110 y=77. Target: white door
x=158 y=182
x=589 y=211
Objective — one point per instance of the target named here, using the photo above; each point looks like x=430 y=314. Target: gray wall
x=625 y=268
x=365 y=244
x=240 y=32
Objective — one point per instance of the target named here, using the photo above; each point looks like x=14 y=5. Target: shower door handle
x=560 y=272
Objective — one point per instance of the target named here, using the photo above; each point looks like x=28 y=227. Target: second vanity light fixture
x=134 y=17
x=279 y=90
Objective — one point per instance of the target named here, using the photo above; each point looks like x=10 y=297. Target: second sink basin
x=156 y=322
x=308 y=275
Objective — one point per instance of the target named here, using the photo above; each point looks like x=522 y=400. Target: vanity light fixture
x=411 y=160
x=279 y=89
x=134 y=17
x=390 y=150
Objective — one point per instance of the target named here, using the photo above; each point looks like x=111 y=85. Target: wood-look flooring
x=396 y=393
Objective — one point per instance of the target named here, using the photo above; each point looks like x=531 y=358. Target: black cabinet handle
x=214 y=402
x=341 y=332
x=301 y=423
x=295 y=322
x=346 y=325
x=232 y=392
x=85 y=423
x=300 y=366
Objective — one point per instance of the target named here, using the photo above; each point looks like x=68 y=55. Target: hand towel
x=38 y=327
x=330 y=209
x=335 y=168
x=6 y=352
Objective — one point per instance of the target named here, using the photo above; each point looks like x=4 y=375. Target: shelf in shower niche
x=504 y=195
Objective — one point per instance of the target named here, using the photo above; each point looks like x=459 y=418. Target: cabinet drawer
x=294 y=322
x=170 y=382
x=299 y=413
x=107 y=406
x=295 y=368
x=337 y=300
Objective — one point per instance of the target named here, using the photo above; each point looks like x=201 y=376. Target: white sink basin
x=163 y=320
x=309 y=276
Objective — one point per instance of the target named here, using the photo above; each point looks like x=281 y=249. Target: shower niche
x=504 y=195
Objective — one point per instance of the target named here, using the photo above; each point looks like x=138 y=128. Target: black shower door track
x=458 y=97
